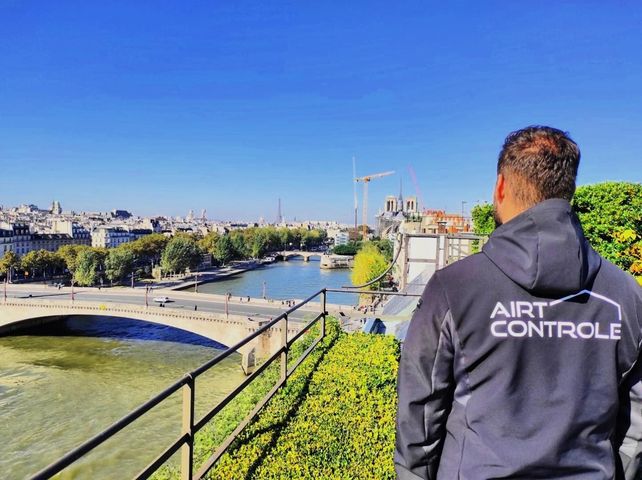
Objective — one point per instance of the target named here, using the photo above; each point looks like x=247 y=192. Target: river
x=286 y=280
x=62 y=383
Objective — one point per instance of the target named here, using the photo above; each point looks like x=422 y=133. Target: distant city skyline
x=196 y=215
x=163 y=108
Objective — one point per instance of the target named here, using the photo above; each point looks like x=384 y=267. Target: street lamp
x=196 y=280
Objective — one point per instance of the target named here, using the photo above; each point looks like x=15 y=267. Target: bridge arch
x=226 y=330
x=22 y=325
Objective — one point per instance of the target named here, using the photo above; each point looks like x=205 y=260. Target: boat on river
x=336 y=261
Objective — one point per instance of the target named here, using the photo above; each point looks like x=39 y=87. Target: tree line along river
x=62 y=383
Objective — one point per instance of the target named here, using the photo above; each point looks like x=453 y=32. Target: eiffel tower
x=279 y=214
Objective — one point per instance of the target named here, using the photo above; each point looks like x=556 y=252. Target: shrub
x=611 y=216
x=349 y=249
x=344 y=427
x=483 y=219
x=369 y=264
x=217 y=430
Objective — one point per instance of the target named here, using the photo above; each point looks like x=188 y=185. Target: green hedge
x=338 y=424
x=611 y=215
x=217 y=430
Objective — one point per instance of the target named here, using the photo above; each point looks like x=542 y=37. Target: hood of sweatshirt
x=544 y=250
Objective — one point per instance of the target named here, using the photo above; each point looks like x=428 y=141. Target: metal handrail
x=191 y=427
x=373 y=292
x=185 y=442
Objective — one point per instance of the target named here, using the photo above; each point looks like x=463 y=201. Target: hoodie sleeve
x=629 y=428
x=425 y=387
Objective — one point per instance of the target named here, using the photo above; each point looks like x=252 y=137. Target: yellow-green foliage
x=639 y=279
x=217 y=430
x=369 y=263
x=337 y=424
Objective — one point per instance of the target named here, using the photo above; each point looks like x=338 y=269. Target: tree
x=286 y=237
x=9 y=263
x=224 y=251
x=40 y=262
x=53 y=262
x=119 y=264
x=274 y=242
x=483 y=219
x=30 y=263
x=350 y=248
x=209 y=242
x=611 y=216
x=69 y=255
x=241 y=250
x=369 y=263
x=182 y=252
x=87 y=267
x=148 y=248
x=385 y=247
x=259 y=245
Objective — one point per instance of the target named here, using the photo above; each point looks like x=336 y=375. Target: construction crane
x=366 y=180
x=420 y=197
x=356 y=200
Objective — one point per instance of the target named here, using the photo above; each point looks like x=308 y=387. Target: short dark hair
x=541 y=163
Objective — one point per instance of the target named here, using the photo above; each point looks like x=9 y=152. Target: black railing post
x=187 y=450
x=284 y=353
x=188 y=384
x=323 y=312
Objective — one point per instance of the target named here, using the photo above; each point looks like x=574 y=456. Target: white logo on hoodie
x=519 y=319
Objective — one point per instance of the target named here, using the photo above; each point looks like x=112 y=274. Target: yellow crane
x=366 y=180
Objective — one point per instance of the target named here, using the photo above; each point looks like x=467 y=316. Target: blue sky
x=161 y=107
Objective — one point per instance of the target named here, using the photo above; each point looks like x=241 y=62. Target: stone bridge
x=16 y=314
x=299 y=253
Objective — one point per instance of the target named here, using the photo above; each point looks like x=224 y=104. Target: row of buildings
x=26 y=228
x=21 y=239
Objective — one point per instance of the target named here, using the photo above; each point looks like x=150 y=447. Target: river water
x=294 y=279
x=62 y=383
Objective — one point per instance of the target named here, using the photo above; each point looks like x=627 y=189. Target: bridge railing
x=190 y=425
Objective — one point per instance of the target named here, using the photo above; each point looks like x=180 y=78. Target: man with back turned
x=522 y=361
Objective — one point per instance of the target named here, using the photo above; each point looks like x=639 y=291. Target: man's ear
x=500 y=188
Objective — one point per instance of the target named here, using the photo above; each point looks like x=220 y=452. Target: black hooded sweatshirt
x=521 y=361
